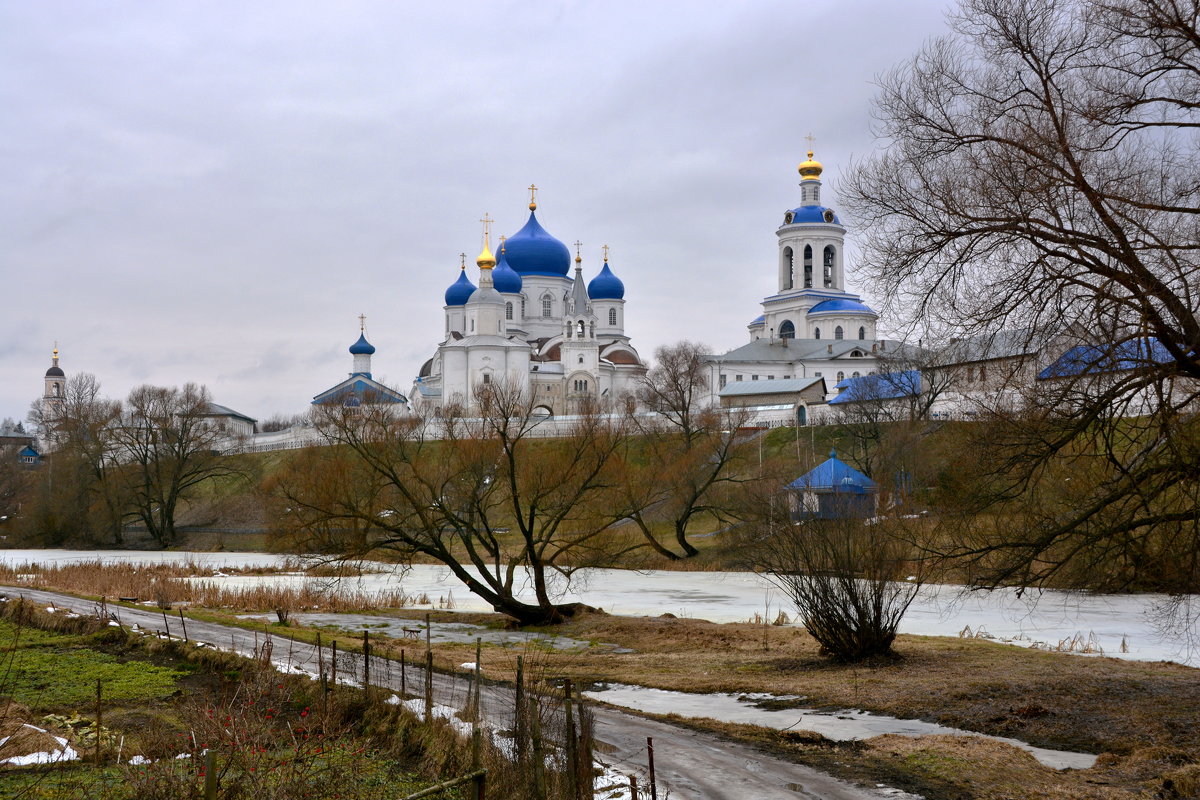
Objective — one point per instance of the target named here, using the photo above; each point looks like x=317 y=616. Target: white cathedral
x=811 y=327
x=532 y=325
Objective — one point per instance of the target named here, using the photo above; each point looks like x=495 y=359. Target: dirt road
x=691 y=765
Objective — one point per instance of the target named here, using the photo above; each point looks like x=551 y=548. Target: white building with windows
x=532 y=324
x=812 y=327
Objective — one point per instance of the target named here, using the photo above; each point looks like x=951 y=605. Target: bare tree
x=91 y=495
x=677 y=386
x=168 y=446
x=851 y=581
x=503 y=508
x=1042 y=170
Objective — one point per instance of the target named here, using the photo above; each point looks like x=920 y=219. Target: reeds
x=168 y=585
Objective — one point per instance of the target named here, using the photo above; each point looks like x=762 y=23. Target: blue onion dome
x=504 y=277
x=821 y=214
x=533 y=251
x=841 y=306
x=362 y=347
x=460 y=291
x=606 y=286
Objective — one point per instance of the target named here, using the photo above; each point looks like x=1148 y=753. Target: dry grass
x=169 y=585
x=1141 y=715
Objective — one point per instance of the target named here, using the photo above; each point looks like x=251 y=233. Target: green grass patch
x=58 y=677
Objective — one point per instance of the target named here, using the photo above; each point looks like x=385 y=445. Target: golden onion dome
x=486 y=260
x=811 y=169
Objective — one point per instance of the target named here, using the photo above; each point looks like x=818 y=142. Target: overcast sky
x=213 y=191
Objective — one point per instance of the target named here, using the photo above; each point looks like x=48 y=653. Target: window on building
x=862 y=333
x=487 y=377
x=721 y=382
x=787 y=330
x=808 y=266
x=786 y=268
x=522 y=308
x=753 y=377
x=545 y=306
x=841 y=377
x=982 y=373
x=816 y=333
x=612 y=316
x=838 y=333
x=770 y=377
x=508 y=310
x=472 y=326
x=828 y=265
x=816 y=374
x=581 y=359
x=786 y=377
x=854 y=375
x=737 y=377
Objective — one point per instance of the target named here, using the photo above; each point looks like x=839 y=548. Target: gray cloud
x=213 y=192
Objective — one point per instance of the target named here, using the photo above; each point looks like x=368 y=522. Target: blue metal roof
x=811 y=214
x=885 y=386
x=359 y=386
x=533 y=251
x=606 y=286
x=504 y=277
x=1099 y=359
x=833 y=475
x=761 y=319
x=840 y=306
x=362 y=347
x=460 y=291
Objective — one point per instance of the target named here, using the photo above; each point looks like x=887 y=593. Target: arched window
x=522 y=308
x=786 y=269
x=807 y=266
x=612 y=316
x=862 y=333
x=580 y=328
x=787 y=330
x=828 y=265
x=816 y=333
x=545 y=306
x=508 y=310
x=838 y=333
x=841 y=377
x=854 y=375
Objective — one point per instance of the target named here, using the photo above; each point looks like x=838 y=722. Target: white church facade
x=535 y=325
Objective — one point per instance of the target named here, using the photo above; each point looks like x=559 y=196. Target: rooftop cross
x=578 y=244
x=532 y=197
x=362 y=323
x=487 y=225
x=462 y=260
x=605 y=249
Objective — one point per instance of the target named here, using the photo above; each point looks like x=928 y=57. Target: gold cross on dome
x=487 y=225
x=503 y=239
x=532 y=193
x=605 y=249
x=362 y=322
x=578 y=244
x=462 y=260
x=810 y=140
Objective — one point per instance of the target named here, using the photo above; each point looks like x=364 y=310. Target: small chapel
x=532 y=323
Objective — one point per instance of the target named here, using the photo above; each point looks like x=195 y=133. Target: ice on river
x=1119 y=625
x=843 y=725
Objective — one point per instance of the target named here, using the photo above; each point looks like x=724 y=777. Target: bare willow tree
x=1041 y=170
x=508 y=510
x=684 y=468
x=90 y=499
x=168 y=445
x=850 y=581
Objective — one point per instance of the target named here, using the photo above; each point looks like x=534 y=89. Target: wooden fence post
x=183 y=622
x=210 y=775
x=99 y=721
x=650 y=756
x=538 y=762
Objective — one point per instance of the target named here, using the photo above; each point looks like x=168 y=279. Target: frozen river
x=1123 y=626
